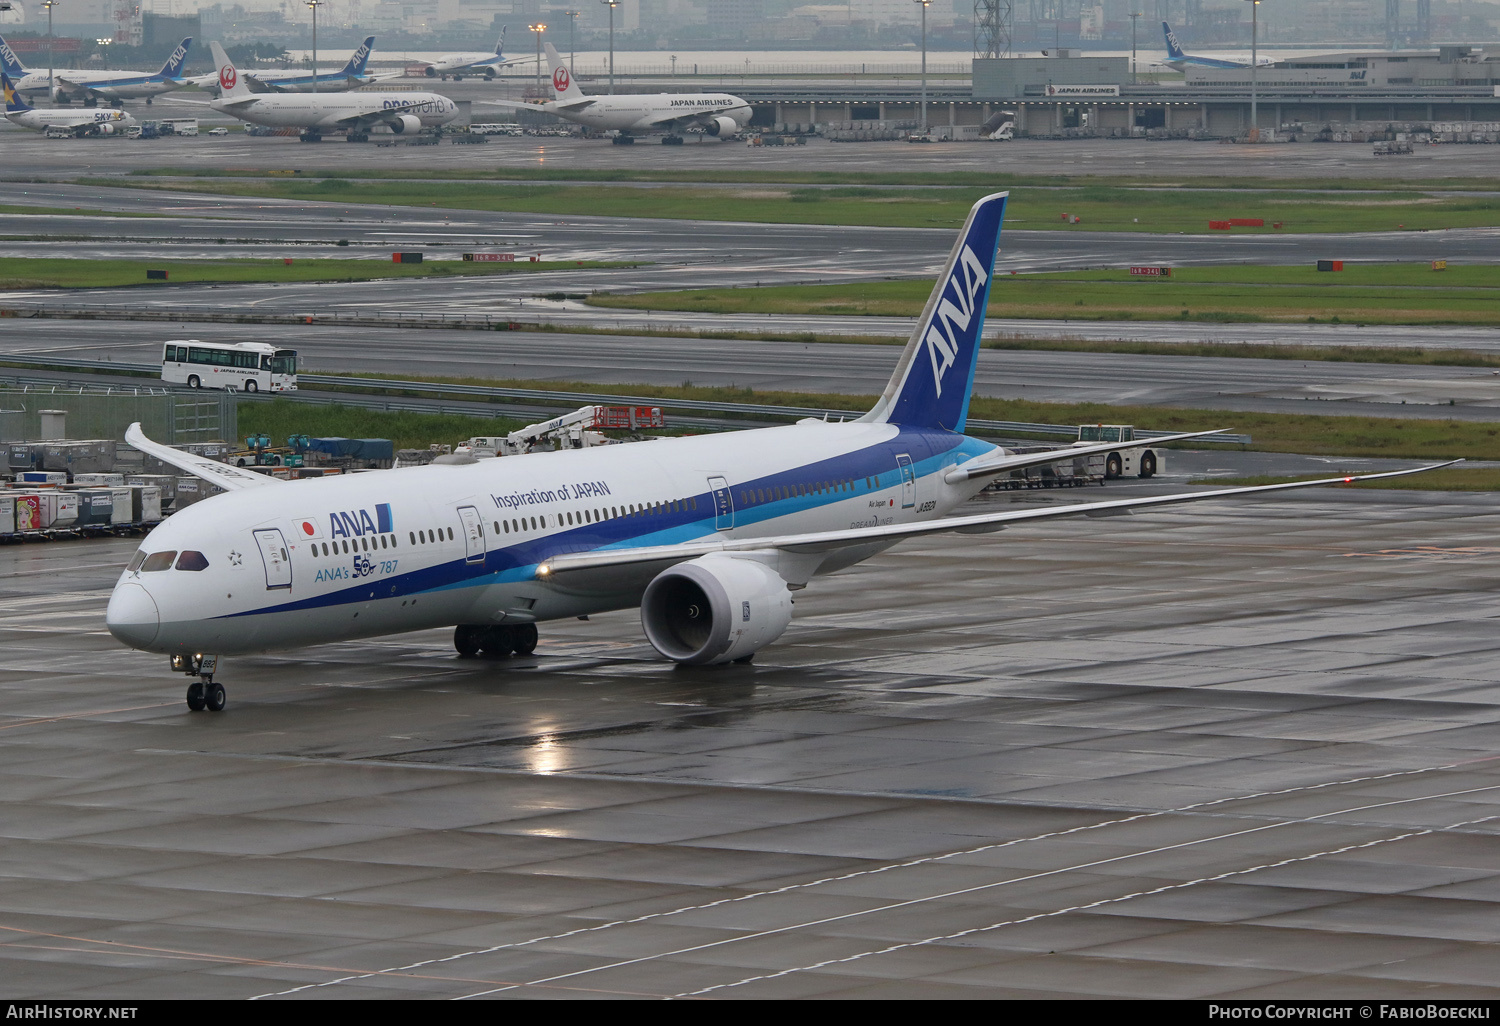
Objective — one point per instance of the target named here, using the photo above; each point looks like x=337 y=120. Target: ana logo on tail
x=953 y=317
x=8 y=57
x=560 y=79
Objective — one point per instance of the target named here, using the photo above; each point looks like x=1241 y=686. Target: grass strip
x=61 y=272
x=1098 y=207
x=979 y=179
x=282 y=417
x=1273 y=432
x=1450 y=479
x=1361 y=294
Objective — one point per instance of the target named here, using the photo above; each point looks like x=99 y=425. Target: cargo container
x=145 y=504
x=96 y=508
x=166 y=484
x=124 y=512
x=48 y=478
x=28 y=512
x=96 y=480
x=7 y=515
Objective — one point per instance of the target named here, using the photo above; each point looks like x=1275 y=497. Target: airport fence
x=105 y=411
x=361 y=391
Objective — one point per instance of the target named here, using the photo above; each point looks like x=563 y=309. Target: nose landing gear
x=205 y=692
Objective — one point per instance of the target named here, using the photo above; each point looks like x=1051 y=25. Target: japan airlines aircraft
x=710 y=536
x=92 y=86
x=1178 y=60
x=316 y=113
x=460 y=64
x=718 y=114
x=79 y=122
x=351 y=76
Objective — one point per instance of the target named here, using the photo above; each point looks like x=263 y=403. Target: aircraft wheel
x=498 y=641
x=466 y=640
x=525 y=638
x=195 y=699
x=1148 y=464
x=148 y=101
x=215 y=697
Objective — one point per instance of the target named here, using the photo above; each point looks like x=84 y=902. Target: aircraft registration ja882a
x=709 y=536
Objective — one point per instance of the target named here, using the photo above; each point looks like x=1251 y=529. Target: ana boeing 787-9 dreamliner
x=710 y=536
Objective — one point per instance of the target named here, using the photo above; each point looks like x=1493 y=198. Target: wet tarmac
x=1229 y=750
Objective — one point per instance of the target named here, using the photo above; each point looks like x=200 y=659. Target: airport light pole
x=1254 y=62
x=611 y=4
x=572 y=50
x=313 y=6
x=51 y=89
x=925 y=4
x=1133 y=16
x=538 y=28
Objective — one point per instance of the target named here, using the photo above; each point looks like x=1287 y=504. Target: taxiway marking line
x=978 y=887
x=1081 y=908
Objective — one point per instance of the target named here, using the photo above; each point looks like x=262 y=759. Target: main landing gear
x=494 y=640
x=205 y=692
x=671 y=140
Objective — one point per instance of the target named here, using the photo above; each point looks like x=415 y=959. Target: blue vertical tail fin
x=1174 y=48
x=9 y=62
x=13 y=102
x=935 y=376
x=356 y=66
x=500 y=43
x=173 y=67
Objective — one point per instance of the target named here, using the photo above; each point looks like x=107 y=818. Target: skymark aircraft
x=718 y=114
x=351 y=76
x=710 y=536
x=1178 y=60
x=92 y=86
x=316 y=113
x=460 y=64
x=79 y=122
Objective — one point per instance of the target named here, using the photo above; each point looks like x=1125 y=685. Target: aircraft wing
x=828 y=541
x=221 y=474
x=683 y=120
x=988 y=466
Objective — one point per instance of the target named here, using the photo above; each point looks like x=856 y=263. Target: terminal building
x=1070 y=95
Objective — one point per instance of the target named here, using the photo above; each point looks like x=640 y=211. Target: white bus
x=505 y=128
x=251 y=366
x=179 y=126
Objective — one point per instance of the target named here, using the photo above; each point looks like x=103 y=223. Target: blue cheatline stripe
x=932 y=452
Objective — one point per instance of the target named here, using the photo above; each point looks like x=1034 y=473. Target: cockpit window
x=158 y=561
x=136 y=561
x=192 y=561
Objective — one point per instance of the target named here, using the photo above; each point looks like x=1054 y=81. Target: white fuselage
x=114 y=85
x=41 y=120
x=371 y=554
x=467 y=64
x=646 y=112
x=333 y=110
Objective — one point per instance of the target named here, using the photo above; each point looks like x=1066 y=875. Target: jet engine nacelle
x=105 y=129
x=431 y=72
x=403 y=123
x=715 y=609
x=723 y=126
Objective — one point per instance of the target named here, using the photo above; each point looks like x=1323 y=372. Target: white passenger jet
x=316 y=113
x=1177 y=60
x=710 y=536
x=286 y=80
x=78 y=122
x=460 y=64
x=91 y=86
x=632 y=114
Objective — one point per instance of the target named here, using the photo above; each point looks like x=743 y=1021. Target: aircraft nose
x=132 y=616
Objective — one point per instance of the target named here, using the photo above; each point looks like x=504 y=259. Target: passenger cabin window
x=192 y=561
x=158 y=561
